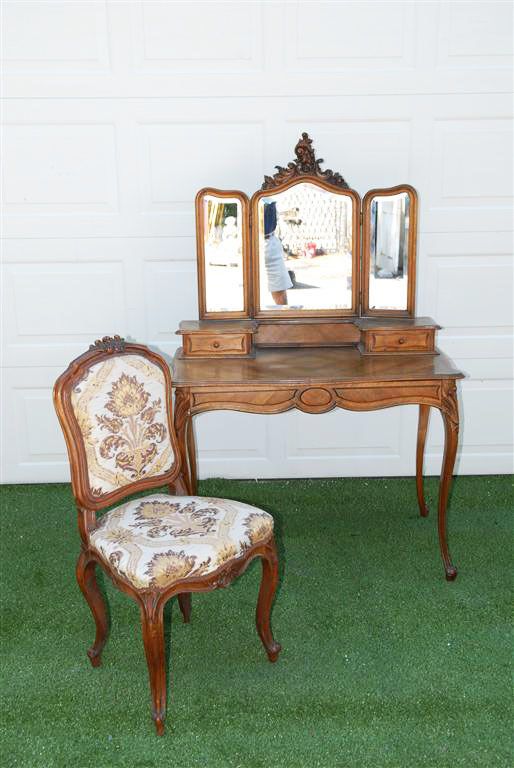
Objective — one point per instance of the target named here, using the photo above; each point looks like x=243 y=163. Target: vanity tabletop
x=310 y=365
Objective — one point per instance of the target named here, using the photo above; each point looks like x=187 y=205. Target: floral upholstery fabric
x=120 y=406
x=158 y=539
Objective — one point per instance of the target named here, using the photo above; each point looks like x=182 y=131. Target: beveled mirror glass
x=389 y=251
x=305 y=240
x=222 y=235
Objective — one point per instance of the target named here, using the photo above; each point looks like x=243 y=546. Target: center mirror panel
x=222 y=224
x=305 y=250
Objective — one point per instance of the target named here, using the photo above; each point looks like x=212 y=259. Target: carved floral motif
x=449 y=403
x=109 y=344
x=305 y=164
x=134 y=433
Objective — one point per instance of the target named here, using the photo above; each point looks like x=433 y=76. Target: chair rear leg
x=153 y=639
x=267 y=591
x=184 y=601
x=86 y=578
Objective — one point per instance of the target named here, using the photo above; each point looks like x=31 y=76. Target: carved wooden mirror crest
x=304 y=165
x=294 y=250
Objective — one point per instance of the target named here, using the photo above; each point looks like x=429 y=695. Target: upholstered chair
x=114 y=404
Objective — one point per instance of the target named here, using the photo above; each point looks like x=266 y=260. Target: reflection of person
x=278 y=276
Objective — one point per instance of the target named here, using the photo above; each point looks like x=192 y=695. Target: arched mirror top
x=222 y=238
x=305 y=248
x=389 y=251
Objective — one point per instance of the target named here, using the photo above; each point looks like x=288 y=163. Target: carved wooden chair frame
x=151 y=601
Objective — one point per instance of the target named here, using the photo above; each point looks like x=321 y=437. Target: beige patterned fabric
x=158 y=539
x=120 y=406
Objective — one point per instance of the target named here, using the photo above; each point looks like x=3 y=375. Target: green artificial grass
x=384 y=663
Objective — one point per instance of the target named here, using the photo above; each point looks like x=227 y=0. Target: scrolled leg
x=153 y=639
x=183 y=484
x=86 y=578
x=184 y=601
x=424 y=411
x=450 y=414
x=267 y=591
x=191 y=455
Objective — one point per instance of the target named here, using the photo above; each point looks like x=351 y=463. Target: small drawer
x=419 y=340
x=212 y=345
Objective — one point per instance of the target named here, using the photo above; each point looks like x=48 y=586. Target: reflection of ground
x=224 y=287
x=322 y=282
x=388 y=292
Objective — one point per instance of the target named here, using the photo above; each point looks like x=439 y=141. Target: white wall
x=117 y=112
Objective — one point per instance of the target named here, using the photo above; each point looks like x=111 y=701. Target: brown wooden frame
x=151 y=601
x=345 y=191
x=366 y=311
x=204 y=314
x=315 y=381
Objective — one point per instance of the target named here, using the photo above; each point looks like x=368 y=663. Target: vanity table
x=316 y=321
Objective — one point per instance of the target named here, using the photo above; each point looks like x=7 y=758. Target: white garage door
x=115 y=113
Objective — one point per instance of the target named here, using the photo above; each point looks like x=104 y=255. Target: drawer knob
x=215 y=344
x=402 y=340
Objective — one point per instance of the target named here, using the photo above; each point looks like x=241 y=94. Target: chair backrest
x=114 y=405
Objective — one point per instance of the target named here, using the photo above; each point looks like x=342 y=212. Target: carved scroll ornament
x=449 y=404
x=305 y=164
x=109 y=344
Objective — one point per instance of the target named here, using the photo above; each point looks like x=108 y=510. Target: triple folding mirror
x=295 y=250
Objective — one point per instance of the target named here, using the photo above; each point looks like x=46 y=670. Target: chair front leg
x=269 y=583
x=153 y=639
x=86 y=578
x=184 y=601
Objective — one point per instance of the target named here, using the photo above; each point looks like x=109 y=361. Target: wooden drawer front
x=222 y=344
x=401 y=341
x=306 y=334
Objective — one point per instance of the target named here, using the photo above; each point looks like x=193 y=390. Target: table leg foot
x=451 y=573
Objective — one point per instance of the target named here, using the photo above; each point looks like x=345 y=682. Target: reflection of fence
x=310 y=215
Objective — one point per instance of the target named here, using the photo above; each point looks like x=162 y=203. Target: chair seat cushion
x=157 y=540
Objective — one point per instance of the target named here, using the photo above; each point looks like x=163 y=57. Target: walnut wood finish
x=419 y=341
x=382 y=336
x=200 y=250
x=151 y=601
x=211 y=338
x=424 y=411
x=304 y=164
x=306 y=333
x=366 y=251
x=316 y=381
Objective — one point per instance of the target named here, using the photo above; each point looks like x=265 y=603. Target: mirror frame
x=268 y=191
x=203 y=313
x=366 y=252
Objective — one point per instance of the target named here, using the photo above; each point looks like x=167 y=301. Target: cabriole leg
x=191 y=455
x=424 y=411
x=153 y=639
x=86 y=578
x=450 y=414
x=267 y=591
x=182 y=418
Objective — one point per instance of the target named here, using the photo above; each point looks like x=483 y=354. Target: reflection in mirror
x=389 y=256
x=305 y=249
x=223 y=254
